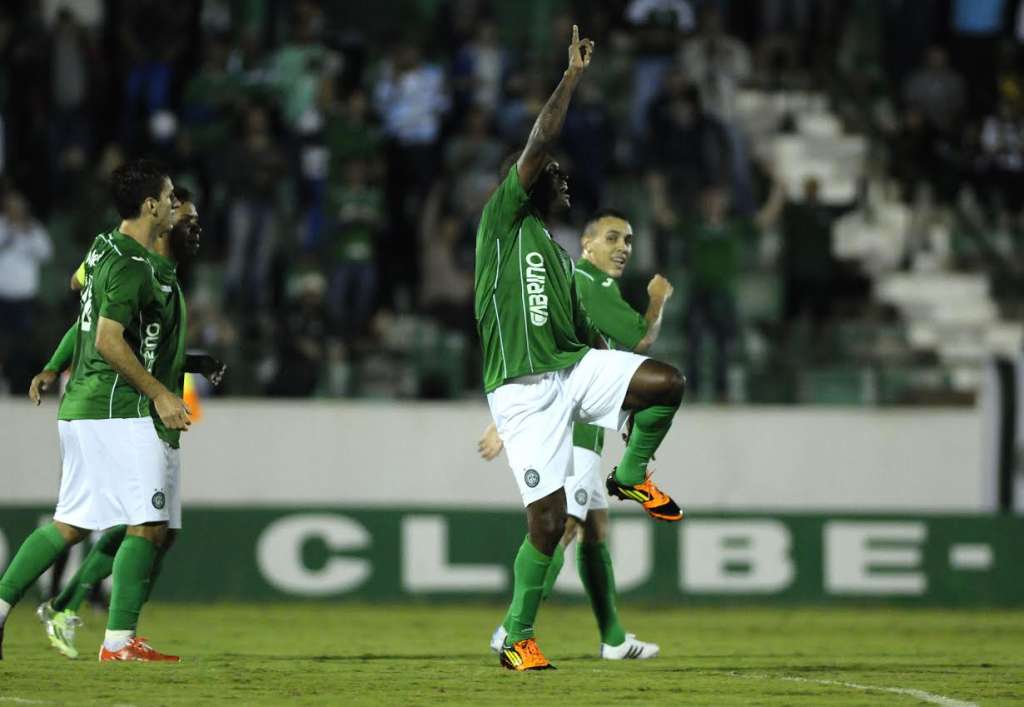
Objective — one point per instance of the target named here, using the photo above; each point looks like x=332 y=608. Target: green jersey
x=527 y=312
x=123 y=284
x=169 y=367
x=621 y=326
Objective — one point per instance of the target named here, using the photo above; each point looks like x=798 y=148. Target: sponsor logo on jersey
x=150 y=342
x=536 y=278
x=532 y=478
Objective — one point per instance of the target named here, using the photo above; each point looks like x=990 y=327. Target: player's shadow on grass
x=362 y=658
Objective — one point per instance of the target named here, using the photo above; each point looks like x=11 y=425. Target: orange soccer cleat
x=138 y=649
x=657 y=503
x=524 y=655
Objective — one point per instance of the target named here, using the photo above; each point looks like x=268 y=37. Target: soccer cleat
x=630 y=649
x=524 y=655
x=657 y=504
x=498 y=639
x=137 y=649
x=60 y=628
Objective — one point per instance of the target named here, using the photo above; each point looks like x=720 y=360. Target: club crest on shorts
x=531 y=477
x=159 y=500
x=581 y=497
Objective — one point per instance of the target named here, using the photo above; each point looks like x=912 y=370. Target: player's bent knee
x=676 y=387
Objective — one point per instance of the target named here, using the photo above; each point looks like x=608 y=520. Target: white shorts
x=534 y=415
x=117 y=472
x=584 y=490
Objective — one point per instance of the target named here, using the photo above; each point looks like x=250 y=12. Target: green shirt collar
x=591 y=269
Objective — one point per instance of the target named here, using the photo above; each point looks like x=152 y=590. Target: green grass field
x=390 y=655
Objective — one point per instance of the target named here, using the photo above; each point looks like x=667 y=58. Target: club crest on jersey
x=532 y=478
x=159 y=500
x=581 y=497
x=536 y=279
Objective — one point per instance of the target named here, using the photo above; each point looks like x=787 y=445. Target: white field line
x=929 y=697
x=23 y=701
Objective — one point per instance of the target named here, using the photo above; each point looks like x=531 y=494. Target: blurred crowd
x=341 y=155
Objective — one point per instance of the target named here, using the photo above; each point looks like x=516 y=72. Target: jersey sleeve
x=503 y=208
x=611 y=314
x=65 y=351
x=127 y=290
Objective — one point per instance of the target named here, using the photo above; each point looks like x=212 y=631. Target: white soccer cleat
x=630 y=649
x=61 y=627
x=498 y=639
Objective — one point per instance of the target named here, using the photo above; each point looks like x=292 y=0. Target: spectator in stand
x=301 y=339
x=254 y=168
x=446 y=283
x=937 y=92
x=297 y=66
x=411 y=97
x=209 y=97
x=688 y=150
x=716 y=245
x=24 y=247
x=153 y=36
x=471 y=159
x=1002 y=150
x=658 y=27
x=355 y=218
x=717 y=65
x=71 y=56
x=809 y=270
x=24 y=44
x=479 y=70
x=351 y=132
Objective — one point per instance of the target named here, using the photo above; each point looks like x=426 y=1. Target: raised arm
x=659 y=290
x=548 y=125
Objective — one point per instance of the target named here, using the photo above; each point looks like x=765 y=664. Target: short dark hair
x=134 y=182
x=182 y=194
x=603 y=213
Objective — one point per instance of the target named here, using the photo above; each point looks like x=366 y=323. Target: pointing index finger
x=575 y=34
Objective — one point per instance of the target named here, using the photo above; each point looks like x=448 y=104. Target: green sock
x=595 y=566
x=530 y=568
x=557 y=560
x=38 y=552
x=158 y=567
x=650 y=426
x=554 y=569
x=96 y=567
x=132 y=567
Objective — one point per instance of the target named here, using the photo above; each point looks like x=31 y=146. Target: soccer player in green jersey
x=546 y=367
x=607 y=246
x=60 y=614
x=115 y=468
